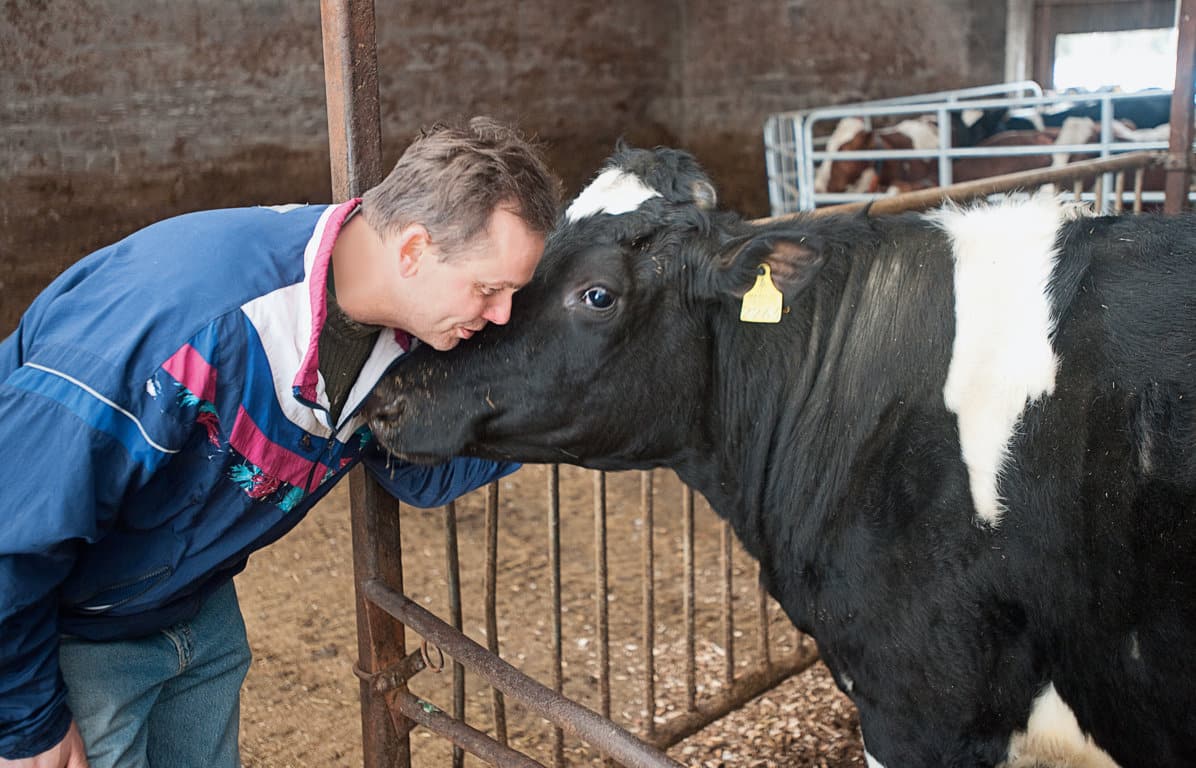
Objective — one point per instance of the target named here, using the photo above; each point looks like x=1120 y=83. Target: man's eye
x=598 y=297
x=487 y=290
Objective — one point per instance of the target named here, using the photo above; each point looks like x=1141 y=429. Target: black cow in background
x=964 y=455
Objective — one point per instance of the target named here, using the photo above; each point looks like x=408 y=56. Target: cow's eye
x=598 y=297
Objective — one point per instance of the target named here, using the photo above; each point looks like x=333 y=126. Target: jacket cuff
x=39 y=734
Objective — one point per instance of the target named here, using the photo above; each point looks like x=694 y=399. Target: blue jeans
x=170 y=699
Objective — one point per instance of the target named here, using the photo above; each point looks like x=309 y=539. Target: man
x=182 y=398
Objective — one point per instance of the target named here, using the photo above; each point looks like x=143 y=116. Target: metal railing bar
x=497 y=705
x=453 y=569
x=649 y=597
x=992 y=185
x=728 y=599
x=577 y=720
x=1015 y=150
x=554 y=567
x=601 y=602
x=918 y=107
x=381 y=641
x=961 y=93
x=762 y=646
x=687 y=537
x=459 y=733
x=602 y=596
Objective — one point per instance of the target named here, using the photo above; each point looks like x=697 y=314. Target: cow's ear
x=793 y=259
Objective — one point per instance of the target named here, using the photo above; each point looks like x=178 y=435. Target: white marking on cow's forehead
x=1001 y=357
x=1053 y=737
x=615 y=191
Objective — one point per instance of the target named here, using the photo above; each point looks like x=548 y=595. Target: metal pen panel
x=554 y=568
x=497 y=705
x=649 y=603
x=453 y=569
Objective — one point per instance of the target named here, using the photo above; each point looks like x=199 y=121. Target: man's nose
x=498 y=311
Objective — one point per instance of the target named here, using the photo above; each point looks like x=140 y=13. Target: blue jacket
x=163 y=417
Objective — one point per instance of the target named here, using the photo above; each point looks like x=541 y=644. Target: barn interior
x=114 y=115
x=117 y=114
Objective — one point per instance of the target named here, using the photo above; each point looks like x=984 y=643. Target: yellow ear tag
x=764 y=303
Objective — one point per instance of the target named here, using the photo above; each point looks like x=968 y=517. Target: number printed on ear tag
x=764 y=303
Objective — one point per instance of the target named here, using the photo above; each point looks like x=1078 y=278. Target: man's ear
x=793 y=258
x=412 y=244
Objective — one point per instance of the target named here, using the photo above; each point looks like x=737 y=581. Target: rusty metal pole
x=1179 y=163
x=351 y=90
x=355 y=151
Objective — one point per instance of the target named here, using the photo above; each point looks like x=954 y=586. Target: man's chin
x=442 y=343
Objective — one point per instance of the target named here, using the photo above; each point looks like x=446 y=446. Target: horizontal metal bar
x=836 y=198
x=920 y=107
x=746 y=688
x=994 y=184
x=608 y=737
x=464 y=736
x=937 y=96
x=1015 y=150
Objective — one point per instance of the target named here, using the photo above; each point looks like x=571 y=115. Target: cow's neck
x=786 y=433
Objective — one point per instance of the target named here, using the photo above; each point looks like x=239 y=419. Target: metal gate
x=389 y=658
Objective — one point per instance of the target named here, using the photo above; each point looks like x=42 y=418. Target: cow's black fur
x=825 y=441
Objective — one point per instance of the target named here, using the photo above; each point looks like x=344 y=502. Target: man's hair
x=452 y=178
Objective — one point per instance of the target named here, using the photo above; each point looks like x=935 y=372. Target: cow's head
x=608 y=360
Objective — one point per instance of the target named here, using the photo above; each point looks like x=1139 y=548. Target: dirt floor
x=300 y=705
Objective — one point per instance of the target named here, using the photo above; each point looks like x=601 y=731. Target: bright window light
x=1130 y=60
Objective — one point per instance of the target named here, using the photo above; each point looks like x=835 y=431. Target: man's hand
x=68 y=753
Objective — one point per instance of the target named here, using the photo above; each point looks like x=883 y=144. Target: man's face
x=474 y=286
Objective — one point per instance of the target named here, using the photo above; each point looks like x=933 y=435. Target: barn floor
x=300 y=705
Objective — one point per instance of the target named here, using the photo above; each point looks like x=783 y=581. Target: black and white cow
x=965 y=456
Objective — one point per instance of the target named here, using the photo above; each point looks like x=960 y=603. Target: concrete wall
x=115 y=113
x=744 y=61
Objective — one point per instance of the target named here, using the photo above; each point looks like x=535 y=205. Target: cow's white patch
x=970 y=116
x=872 y=761
x=1053 y=737
x=614 y=191
x=846 y=129
x=1135 y=648
x=921 y=134
x=1001 y=357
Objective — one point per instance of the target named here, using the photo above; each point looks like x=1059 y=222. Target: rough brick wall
x=115 y=113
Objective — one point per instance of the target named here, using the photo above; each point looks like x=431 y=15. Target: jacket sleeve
x=60 y=479
x=435 y=485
